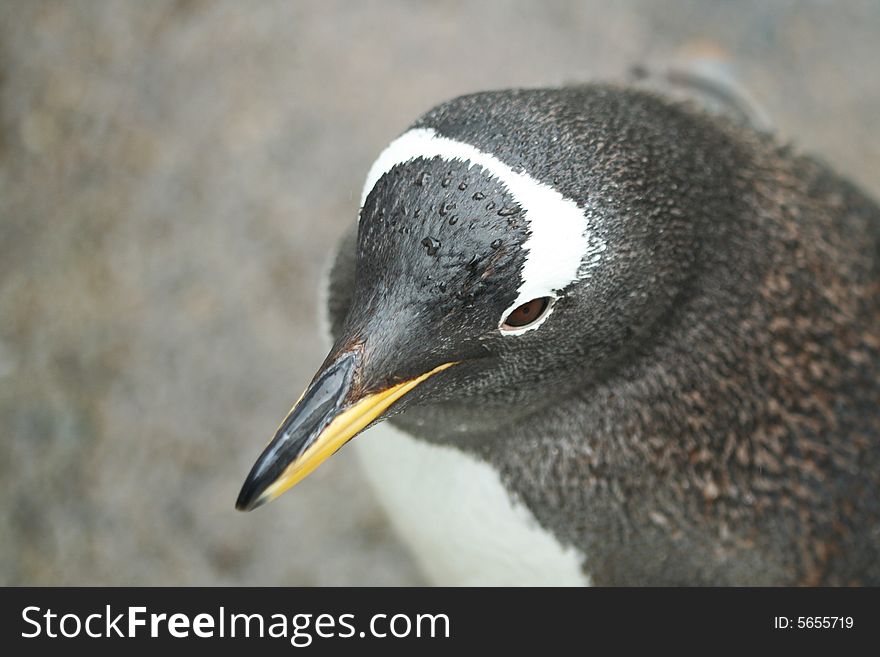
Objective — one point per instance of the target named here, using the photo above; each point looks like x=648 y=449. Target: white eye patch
x=559 y=240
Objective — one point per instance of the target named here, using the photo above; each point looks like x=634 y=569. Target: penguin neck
x=469 y=425
x=479 y=426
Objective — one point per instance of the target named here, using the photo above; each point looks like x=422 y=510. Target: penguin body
x=738 y=441
x=656 y=330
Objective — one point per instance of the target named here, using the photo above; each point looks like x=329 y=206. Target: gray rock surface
x=173 y=176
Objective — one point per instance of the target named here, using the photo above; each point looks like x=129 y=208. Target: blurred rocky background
x=173 y=176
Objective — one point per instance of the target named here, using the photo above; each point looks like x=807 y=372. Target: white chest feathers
x=459 y=520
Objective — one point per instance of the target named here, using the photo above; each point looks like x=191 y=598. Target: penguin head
x=489 y=271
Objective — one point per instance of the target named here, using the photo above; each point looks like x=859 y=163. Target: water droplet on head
x=496 y=244
x=424 y=178
x=462 y=186
x=490 y=205
x=453 y=220
x=508 y=210
x=442 y=287
x=431 y=245
x=479 y=196
x=445 y=182
x=445 y=208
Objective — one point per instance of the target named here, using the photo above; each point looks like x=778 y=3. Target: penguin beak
x=330 y=413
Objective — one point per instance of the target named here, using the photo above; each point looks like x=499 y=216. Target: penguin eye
x=527 y=313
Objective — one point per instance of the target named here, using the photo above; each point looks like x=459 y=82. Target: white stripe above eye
x=559 y=238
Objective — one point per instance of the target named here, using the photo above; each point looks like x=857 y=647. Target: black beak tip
x=317 y=407
x=246 y=502
x=250 y=496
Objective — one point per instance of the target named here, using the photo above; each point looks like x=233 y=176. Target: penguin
x=611 y=339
